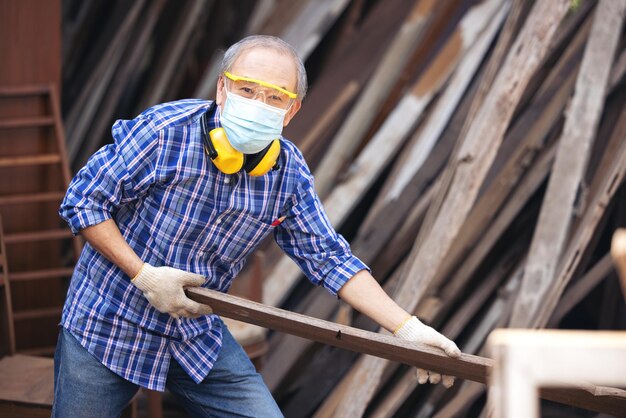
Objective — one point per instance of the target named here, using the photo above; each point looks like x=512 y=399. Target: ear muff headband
x=229 y=161
x=260 y=163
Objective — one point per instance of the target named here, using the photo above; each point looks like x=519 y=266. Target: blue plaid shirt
x=175 y=208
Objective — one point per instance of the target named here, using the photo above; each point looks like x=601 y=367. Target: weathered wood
x=85 y=107
x=470 y=168
x=466 y=366
x=468 y=393
x=513 y=207
x=616 y=171
x=580 y=289
x=474 y=49
x=473 y=303
x=356 y=124
x=173 y=52
x=571 y=161
x=409 y=176
x=335 y=109
x=530 y=134
x=366 y=168
x=357 y=62
x=307 y=29
x=132 y=60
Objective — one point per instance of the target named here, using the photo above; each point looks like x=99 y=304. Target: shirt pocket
x=240 y=234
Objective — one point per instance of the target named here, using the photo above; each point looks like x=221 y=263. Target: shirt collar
x=214 y=116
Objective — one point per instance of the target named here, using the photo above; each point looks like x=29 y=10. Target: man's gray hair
x=271 y=42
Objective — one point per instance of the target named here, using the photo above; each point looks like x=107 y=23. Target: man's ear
x=295 y=107
x=220 y=96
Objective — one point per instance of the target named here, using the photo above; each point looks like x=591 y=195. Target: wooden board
x=467 y=366
x=27 y=380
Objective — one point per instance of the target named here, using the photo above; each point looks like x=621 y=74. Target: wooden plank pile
x=473 y=153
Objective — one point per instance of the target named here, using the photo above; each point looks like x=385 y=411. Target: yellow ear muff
x=268 y=161
x=228 y=160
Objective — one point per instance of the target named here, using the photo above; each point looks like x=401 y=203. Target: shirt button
x=218 y=221
x=226 y=180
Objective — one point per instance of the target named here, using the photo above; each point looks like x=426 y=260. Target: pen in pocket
x=278 y=221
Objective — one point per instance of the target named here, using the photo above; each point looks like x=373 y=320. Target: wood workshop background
x=456 y=144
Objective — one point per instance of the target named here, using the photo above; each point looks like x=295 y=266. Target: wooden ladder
x=34 y=174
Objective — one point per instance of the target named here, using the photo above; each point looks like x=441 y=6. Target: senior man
x=185 y=192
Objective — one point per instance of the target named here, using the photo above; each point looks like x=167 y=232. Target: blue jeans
x=84 y=387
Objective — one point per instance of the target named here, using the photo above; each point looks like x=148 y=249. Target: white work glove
x=413 y=330
x=164 y=287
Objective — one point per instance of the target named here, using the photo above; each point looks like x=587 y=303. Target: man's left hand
x=414 y=330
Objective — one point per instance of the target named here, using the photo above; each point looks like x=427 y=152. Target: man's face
x=267 y=65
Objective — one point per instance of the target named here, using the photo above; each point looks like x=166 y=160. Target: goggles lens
x=251 y=88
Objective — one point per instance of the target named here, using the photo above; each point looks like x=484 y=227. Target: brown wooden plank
x=581 y=288
x=27 y=380
x=467 y=366
x=30 y=160
x=32 y=198
x=37 y=313
x=23 y=90
x=51 y=234
x=40 y=274
x=385 y=346
x=356 y=63
x=33 y=122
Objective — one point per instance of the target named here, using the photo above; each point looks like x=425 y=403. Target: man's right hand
x=164 y=287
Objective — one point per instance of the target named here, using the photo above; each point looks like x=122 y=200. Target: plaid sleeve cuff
x=341 y=273
x=86 y=218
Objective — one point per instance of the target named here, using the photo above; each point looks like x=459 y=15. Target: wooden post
x=526 y=360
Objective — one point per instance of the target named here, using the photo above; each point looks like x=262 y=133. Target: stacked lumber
x=472 y=152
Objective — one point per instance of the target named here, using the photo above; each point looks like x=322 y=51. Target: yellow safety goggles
x=251 y=88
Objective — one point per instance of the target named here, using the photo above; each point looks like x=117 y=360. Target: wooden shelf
x=23 y=276
x=37 y=236
x=26 y=90
x=32 y=122
x=30 y=160
x=32 y=198
x=38 y=351
x=37 y=313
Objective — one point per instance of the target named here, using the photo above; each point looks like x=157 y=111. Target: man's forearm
x=107 y=239
x=364 y=294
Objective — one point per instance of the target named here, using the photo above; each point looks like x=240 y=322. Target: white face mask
x=250 y=125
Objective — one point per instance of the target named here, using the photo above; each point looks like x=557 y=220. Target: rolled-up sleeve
x=307 y=237
x=115 y=175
